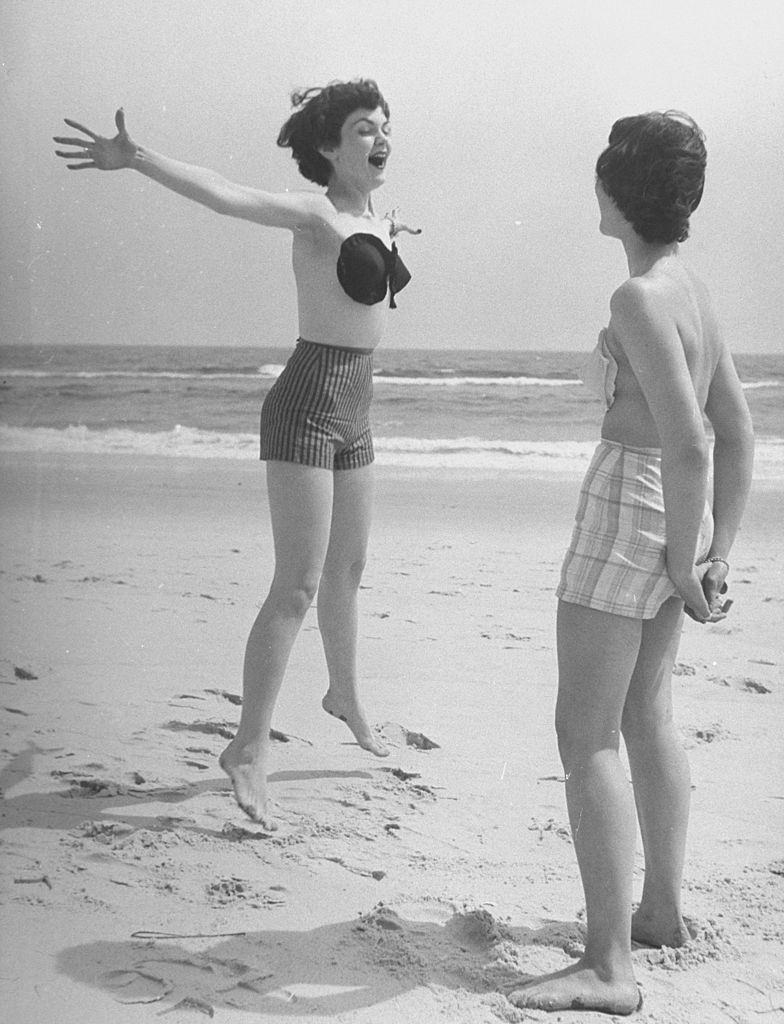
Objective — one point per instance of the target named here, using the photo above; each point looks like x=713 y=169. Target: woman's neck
x=348 y=199
x=641 y=256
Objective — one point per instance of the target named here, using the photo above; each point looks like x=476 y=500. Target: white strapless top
x=600 y=370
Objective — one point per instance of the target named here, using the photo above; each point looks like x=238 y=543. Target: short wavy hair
x=654 y=171
x=317 y=122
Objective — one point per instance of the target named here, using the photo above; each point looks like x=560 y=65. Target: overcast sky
x=499 y=110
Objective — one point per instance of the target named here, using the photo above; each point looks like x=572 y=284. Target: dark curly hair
x=654 y=171
x=321 y=115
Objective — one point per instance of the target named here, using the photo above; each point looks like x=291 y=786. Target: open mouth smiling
x=378 y=160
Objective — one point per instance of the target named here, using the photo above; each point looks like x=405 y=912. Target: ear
x=328 y=152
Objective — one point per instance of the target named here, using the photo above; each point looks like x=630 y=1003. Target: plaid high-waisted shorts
x=616 y=560
x=317 y=411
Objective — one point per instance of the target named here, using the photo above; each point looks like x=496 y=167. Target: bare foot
x=249 y=778
x=352 y=714
x=578 y=988
x=659 y=928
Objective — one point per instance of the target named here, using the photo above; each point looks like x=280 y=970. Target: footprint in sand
x=89 y=786
x=551 y=825
x=741 y=683
x=682 y=669
x=234 y=890
x=410 y=787
x=711 y=733
x=135 y=986
x=232 y=698
x=239 y=834
x=23 y=673
x=430 y=909
x=222 y=729
x=104 y=831
x=85 y=784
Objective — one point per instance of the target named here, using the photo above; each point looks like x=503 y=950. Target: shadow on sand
x=329 y=970
x=91 y=795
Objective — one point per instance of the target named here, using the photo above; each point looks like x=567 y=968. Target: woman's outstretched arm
x=283 y=210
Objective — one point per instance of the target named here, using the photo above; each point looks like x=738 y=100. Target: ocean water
x=466 y=409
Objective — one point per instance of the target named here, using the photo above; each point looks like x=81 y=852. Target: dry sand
x=402 y=891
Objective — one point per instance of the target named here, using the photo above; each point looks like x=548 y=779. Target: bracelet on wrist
x=716 y=558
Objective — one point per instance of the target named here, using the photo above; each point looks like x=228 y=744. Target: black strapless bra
x=366 y=269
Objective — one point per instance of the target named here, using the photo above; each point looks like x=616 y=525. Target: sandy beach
x=405 y=891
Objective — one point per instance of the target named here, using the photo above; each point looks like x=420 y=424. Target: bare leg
x=596 y=657
x=662 y=787
x=300 y=500
x=337 y=600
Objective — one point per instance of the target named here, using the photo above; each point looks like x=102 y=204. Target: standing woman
x=644 y=545
x=315 y=433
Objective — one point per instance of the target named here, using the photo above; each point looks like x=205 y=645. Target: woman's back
x=682 y=306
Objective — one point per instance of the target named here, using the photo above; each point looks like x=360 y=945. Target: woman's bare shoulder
x=641 y=306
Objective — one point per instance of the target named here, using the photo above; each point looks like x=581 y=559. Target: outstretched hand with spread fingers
x=97 y=151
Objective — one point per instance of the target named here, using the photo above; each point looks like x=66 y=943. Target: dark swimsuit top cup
x=367 y=268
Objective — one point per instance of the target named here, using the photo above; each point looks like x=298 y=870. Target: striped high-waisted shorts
x=317 y=411
x=616 y=561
